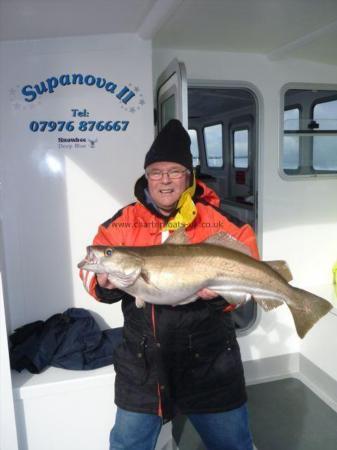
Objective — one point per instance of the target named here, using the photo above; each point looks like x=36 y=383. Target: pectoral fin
x=145 y=275
x=126 y=276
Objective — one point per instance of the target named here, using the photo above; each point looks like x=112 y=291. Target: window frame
x=198 y=143
x=232 y=129
x=297 y=171
x=327 y=99
x=211 y=124
x=301 y=174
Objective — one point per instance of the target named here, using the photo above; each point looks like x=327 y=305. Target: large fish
x=172 y=274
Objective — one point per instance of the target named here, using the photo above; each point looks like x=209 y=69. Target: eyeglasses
x=173 y=174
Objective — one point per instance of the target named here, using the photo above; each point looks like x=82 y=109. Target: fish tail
x=307 y=309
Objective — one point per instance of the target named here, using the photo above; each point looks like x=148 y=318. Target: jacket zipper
x=159 y=410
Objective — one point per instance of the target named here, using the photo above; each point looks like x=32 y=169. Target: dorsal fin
x=226 y=240
x=221 y=239
x=282 y=268
x=179 y=236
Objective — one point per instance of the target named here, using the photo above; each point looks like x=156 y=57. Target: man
x=182 y=359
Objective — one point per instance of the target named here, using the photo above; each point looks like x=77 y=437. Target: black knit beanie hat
x=172 y=144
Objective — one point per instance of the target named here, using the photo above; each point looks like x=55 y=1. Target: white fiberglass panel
x=76 y=122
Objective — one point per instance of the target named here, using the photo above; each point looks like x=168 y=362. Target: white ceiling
x=35 y=19
x=278 y=28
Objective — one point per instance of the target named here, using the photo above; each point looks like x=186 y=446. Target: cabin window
x=168 y=110
x=240 y=148
x=310 y=132
x=291 y=144
x=213 y=145
x=325 y=147
x=194 y=147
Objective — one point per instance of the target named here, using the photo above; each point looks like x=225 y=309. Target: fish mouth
x=90 y=259
x=81 y=264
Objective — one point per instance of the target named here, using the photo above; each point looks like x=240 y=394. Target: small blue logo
x=92 y=142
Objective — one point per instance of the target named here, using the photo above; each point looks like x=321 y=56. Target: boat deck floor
x=284 y=415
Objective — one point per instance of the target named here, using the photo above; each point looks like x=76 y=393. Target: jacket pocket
x=216 y=367
x=131 y=362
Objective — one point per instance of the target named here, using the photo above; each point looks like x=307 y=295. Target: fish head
x=122 y=267
x=98 y=259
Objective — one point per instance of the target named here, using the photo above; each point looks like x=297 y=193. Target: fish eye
x=108 y=252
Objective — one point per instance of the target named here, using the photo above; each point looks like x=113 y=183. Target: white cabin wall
x=297 y=218
x=53 y=199
x=320 y=345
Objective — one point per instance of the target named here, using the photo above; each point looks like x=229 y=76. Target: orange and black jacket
x=183 y=358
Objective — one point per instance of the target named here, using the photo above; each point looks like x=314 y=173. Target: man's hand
x=207 y=294
x=102 y=280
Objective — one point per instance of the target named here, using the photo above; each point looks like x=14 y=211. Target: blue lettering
x=28 y=91
x=52 y=84
x=122 y=92
x=41 y=89
x=100 y=82
x=110 y=87
x=65 y=80
x=79 y=77
x=91 y=78
x=128 y=97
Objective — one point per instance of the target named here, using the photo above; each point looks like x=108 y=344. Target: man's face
x=166 y=191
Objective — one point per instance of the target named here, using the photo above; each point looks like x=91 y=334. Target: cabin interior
x=255 y=84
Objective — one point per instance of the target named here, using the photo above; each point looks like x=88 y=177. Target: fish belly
x=164 y=293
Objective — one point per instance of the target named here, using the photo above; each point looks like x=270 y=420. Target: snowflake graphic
x=138 y=95
x=18 y=102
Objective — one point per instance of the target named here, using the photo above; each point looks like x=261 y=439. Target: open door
x=221 y=122
x=171 y=95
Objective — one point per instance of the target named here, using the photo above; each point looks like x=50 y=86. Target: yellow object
x=187 y=210
x=334 y=273
x=334 y=277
